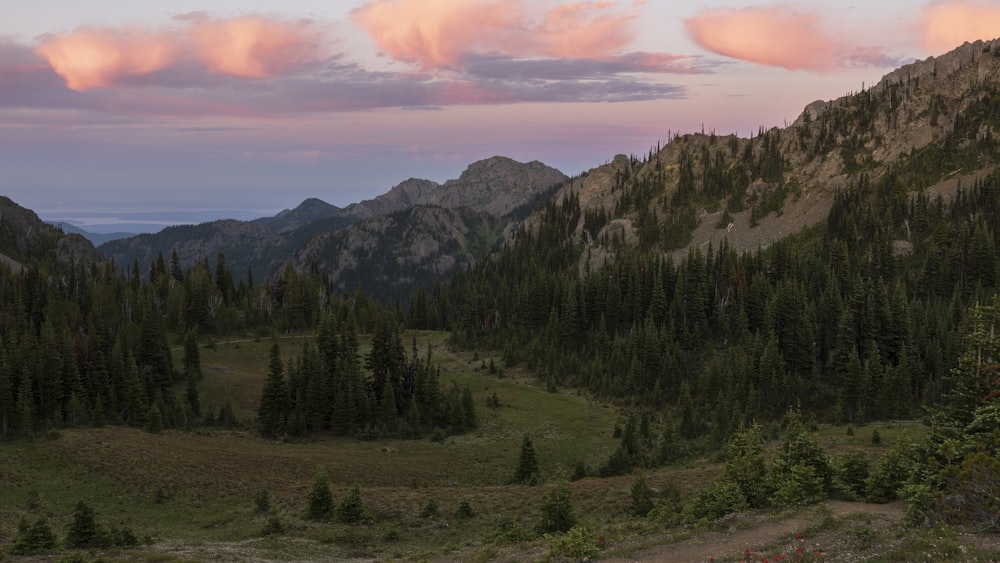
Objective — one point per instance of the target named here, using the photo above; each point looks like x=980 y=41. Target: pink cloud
x=773 y=36
x=255 y=46
x=441 y=33
x=947 y=25
x=245 y=47
x=100 y=57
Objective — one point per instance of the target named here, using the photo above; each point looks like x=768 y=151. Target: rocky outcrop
x=497 y=186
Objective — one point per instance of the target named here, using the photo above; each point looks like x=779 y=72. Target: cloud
x=100 y=57
x=773 y=36
x=199 y=66
x=947 y=25
x=248 y=47
x=442 y=33
x=508 y=69
x=255 y=46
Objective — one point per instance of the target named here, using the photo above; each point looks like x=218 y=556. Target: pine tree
x=557 y=511
x=84 y=531
x=319 y=507
x=642 y=497
x=274 y=397
x=527 y=472
x=351 y=509
x=154 y=419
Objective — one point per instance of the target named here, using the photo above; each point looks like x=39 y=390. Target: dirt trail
x=732 y=543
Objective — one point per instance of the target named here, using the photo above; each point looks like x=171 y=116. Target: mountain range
x=930 y=122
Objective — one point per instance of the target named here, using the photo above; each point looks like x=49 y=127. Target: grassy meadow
x=190 y=495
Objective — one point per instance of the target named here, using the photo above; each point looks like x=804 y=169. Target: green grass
x=193 y=493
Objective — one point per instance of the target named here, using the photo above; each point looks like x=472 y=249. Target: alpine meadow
x=780 y=347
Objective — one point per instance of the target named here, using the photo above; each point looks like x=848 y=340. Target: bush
x=642 y=497
x=34 y=539
x=557 y=511
x=429 y=509
x=800 y=486
x=973 y=494
x=84 y=531
x=509 y=530
x=262 y=502
x=853 y=469
x=273 y=526
x=351 y=509
x=714 y=502
x=577 y=545
x=895 y=470
x=319 y=506
x=745 y=467
x=465 y=510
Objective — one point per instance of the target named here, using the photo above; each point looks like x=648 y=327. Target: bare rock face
x=497 y=186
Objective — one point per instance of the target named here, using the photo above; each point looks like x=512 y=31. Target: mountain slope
x=413 y=247
x=96 y=238
x=494 y=187
x=933 y=123
x=25 y=240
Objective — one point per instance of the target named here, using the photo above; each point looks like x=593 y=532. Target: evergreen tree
x=642 y=497
x=557 y=510
x=84 y=531
x=274 y=397
x=351 y=509
x=34 y=539
x=319 y=504
x=527 y=472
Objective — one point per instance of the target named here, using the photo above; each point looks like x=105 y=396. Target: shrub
x=351 y=509
x=896 y=469
x=853 y=469
x=800 y=486
x=122 y=537
x=745 y=467
x=973 y=498
x=642 y=497
x=273 y=526
x=262 y=502
x=429 y=509
x=84 y=531
x=557 y=511
x=577 y=545
x=465 y=510
x=319 y=507
x=876 y=438
x=34 y=539
x=715 y=501
x=509 y=530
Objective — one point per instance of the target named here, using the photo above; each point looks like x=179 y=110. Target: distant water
x=113 y=221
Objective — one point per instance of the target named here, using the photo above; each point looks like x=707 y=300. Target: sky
x=139 y=114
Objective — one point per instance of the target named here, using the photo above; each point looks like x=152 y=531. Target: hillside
x=406 y=249
x=496 y=186
x=493 y=187
x=25 y=239
x=932 y=123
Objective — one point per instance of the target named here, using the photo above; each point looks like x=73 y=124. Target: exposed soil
x=768 y=536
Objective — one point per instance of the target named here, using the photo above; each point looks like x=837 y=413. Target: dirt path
x=774 y=536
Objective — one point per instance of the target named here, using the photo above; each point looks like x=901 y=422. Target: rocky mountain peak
x=495 y=185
